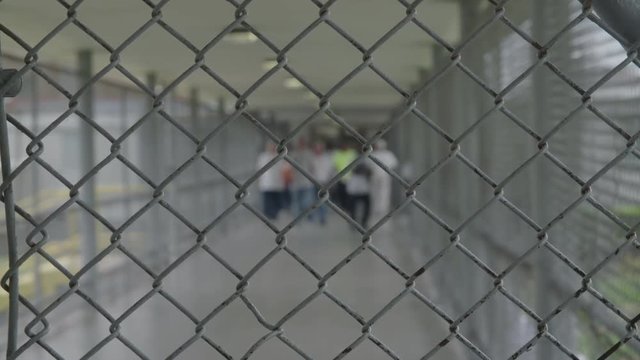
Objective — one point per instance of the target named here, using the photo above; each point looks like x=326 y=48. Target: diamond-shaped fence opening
x=329 y=334
x=619 y=291
x=320 y=179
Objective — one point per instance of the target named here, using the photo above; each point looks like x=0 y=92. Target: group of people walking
x=362 y=191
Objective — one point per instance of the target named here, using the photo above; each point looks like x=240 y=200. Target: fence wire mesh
x=491 y=157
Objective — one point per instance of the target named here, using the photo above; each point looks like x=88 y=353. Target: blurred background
x=203 y=105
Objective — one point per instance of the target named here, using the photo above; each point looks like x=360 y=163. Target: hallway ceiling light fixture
x=310 y=96
x=269 y=63
x=240 y=36
x=292 y=83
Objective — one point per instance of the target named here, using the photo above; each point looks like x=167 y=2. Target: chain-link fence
x=118 y=191
x=40 y=191
x=520 y=182
x=555 y=224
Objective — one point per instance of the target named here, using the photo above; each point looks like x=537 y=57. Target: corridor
x=153 y=152
x=321 y=330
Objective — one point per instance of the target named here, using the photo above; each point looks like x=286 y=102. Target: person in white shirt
x=381 y=181
x=271 y=184
x=322 y=170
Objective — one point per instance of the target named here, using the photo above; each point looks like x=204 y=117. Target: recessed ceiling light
x=270 y=63
x=292 y=83
x=241 y=36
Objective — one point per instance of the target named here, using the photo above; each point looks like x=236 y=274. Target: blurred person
x=287 y=177
x=302 y=189
x=343 y=157
x=381 y=181
x=271 y=184
x=323 y=170
x=359 y=192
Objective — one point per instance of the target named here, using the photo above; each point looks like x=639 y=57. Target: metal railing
x=531 y=150
x=542 y=41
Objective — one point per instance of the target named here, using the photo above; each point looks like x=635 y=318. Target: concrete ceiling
x=322 y=58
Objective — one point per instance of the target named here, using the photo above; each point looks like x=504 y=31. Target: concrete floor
x=322 y=329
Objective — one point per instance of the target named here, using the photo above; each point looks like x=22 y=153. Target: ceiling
x=322 y=58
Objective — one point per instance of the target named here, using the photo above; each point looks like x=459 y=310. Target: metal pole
x=488 y=323
x=431 y=104
x=10 y=219
x=194 y=110
x=171 y=241
x=442 y=114
x=546 y=297
x=154 y=246
x=88 y=238
x=622 y=17
x=471 y=15
x=195 y=118
x=35 y=183
x=126 y=176
x=222 y=149
x=87 y=162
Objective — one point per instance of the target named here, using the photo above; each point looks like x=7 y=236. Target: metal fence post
x=441 y=114
x=546 y=297
x=471 y=15
x=218 y=196
x=150 y=161
x=431 y=106
x=469 y=109
x=10 y=219
x=199 y=197
x=420 y=158
x=126 y=176
x=172 y=237
x=87 y=162
x=88 y=232
x=35 y=182
x=622 y=17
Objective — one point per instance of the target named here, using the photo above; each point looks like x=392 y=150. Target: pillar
x=12 y=248
x=35 y=183
x=88 y=238
x=223 y=158
x=126 y=175
x=545 y=268
x=150 y=163
x=199 y=194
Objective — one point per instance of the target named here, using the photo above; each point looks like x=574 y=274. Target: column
x=150 y=163
x=5 y=159
x=35 y=183
x=88 y=246
x=223 y=160
x=546 y=298
x=199 y=194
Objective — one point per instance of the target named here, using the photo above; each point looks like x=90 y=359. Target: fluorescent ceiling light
x=268 y=64
x=292 y=83
x=241 y=36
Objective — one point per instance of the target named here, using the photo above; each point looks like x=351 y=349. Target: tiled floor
x=321 y=330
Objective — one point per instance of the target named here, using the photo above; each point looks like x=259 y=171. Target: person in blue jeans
x=302 y=189
x=359 y=188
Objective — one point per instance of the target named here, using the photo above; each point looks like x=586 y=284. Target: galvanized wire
x=37 y=328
